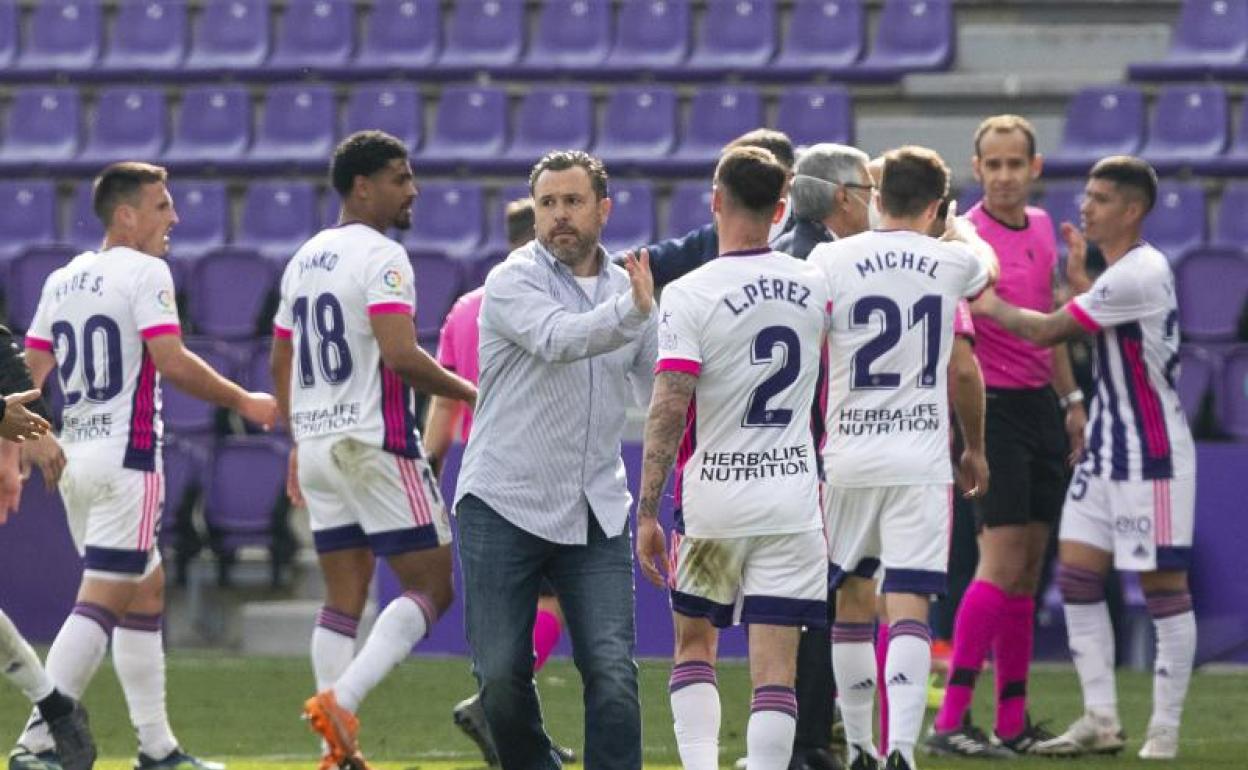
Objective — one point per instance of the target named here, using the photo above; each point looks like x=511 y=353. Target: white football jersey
x=894 y=295
x=94 y=314
x=751 y=326
x=1136 y=425
x=339 y=385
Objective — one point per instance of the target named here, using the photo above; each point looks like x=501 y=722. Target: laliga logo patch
x=164 y=298
x=392 y=279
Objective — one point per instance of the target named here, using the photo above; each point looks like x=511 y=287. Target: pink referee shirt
x=1028 y=258
x=457 y=345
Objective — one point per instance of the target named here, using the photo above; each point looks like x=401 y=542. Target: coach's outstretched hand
x=638 y=267
x=652 y=550
x=19 y=423
x=259 y=408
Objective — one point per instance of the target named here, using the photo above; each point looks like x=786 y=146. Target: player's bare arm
x=967 y=384
x=1044 y=329
x=439 y=430
x=190 y=374
x=280 y=357
x=396 y=337
x=665 y=425
x=1071 y=396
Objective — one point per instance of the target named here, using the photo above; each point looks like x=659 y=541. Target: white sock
x=696 y=713
x=1092 y=646
x=853 y=663
x=75 y=655
x=139 y=659
x=21 y=665
x=1176 y=649
x=906 y=669
x=773 y=723
x=333 y=646
x=403 y=623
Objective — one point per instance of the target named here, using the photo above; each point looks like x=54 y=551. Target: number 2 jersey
x=94 y=315
x=751 y=326
x=894 y=294
x=339 y=385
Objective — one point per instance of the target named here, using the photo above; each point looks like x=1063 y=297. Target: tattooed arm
x=665 y=426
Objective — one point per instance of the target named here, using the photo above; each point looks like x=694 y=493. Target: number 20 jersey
x=894 y=294
x=339 y=385
x=750 y=326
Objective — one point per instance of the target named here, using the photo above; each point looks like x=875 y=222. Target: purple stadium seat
x=257 y=375
x=242 y=277
x=632 y=216
x=650 y=37
x=229 y=35
x=8 y=34
x=186 y=464
x=448 y=218
x=1190 y=123
x=26 y=275
x=41 y=128
x=484 y=34
x=213 y=126
x=1177 y=221
x=391 y=107
x=470 y=125
x=1212 y=286
x=127 y=123
x=63 y=36
x=1100 y=121
x=496 y=218
x=27 y=215
x=297 y=125
x=83 y=231
x=147 y=36
x=246 y=484
x=438 y=282
x=689 y=208
x=1232 y=223
x=1209 y=33
x=824 y=36
x=331 y=207
x=1062 y=200
x=1235 y=392
x=814 y=114
x=314 y=36
x=717 y=115
x=912 y=36
x=187 y=416
x=571 y=35
x=734 y=36
x=639 y=123
x=399 y=36
x=554 y=118
x=203 y=218
x=277 y=218
x=1197 y=371
x=1235 y=161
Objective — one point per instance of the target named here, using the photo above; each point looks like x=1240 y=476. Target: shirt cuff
x=1081 y=315
x=682 y=365
x=281 y=332
x=38 y=343
x=382 y=308
x=160 y=330
x=631 y=318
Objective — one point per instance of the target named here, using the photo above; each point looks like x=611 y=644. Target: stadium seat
x=1177 y=221
x=1198 y=370
x=1062 y=200
x=314 y=36
x=297 y=126
x=186 y=463
x=483 y=34
x=638 y=123
x=239 y=275
x=448 y=218
x=814 y=114
x=148 y=36
x=824 y=36
x=213 y=127
x=27 y=215
x=193 y=417
x=1190 y=123
x=1100 y=121
x=25 y=279
x=1209 y=33
x=1234 y=410
x=391 y=107
x=229 y=36
x=83 y=231
x=689 y=208
x=8 y=34
x=553 y=118
x=257 y=375
x=277 y=218
x=470 y=125
x=496 y=218
x=400 y=36
x=1235 y=161
x=245 y=488
x=203 y=218
x=41 y=129
x=1212 y=286
x=331 y=207
x=571 y=36
x=912 y=36
x=650 y=37
x=127 y=123
x=438 y=284
x=62 y=36
x=733 y=36
x=1232 y=218
x=631 y=223
x=717 y=115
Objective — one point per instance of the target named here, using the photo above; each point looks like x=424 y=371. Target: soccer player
x=108 y=324
x=734 y=404
x=894 y=293
x=1132 y=500
x=345 y=363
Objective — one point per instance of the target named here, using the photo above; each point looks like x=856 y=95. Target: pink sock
x=973 y=630
x=1011 y=649
x=881 y=654
x=546 y=630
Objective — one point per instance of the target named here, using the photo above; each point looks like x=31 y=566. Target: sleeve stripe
x=281 y=332
x=160 y=330
x=1081 y=315
x=38 y=343
x=390 y=307
x=682 y=365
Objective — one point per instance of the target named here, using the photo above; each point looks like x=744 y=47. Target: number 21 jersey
x=339 y=385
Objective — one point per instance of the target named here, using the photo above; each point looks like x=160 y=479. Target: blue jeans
x=503 y=566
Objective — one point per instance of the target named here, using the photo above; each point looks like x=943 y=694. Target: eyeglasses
x=858 y=185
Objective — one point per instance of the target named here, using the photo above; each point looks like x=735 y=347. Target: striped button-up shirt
x=559 y=367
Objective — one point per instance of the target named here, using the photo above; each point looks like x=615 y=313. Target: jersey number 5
x=332 y=354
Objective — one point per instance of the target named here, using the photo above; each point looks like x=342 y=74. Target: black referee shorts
x=1025 y=439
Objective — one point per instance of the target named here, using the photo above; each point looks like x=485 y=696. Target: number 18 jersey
x=339 y=385
x=750 y=326
x=894 y=294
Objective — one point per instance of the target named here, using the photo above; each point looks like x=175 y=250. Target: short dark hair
x=776 y=142
x=520 y=220
x=120 y=183
x=914 y=178
x=562 y=160
x=363 y=153
x=1129 y=171
x=752 y=177
x=1003 y=124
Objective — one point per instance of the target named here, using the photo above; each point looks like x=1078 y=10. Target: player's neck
x=113 y=240
x=741 y=236
x=1014 y=216
x=913 y=224
x=348 y=215
x=1117 y=248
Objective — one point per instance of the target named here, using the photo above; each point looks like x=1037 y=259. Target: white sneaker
x=1090 y=733
x=1162 y=742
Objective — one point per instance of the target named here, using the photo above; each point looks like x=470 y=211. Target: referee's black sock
x=55 y=706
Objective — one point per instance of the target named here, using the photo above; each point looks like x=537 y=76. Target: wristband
x=1071 y=398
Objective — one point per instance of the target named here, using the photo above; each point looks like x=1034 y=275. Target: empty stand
x=650 y=37
x=470 y=125
x=1212 y=286
x=394 y=108
x=553 y=118
x=399 y=36
x=213 y=126
x=127 y=123
x=1198 y=371
x=146 y=36
x=297 y=125
x=814 y=114
x=1177 y=221
x=314 y=36
x=638 y=123
x=1190 y=123
x=631 y=223
x=235 y=273
x=1235 y=393
x=1209 y=34
x=203 y=217
x=229 y=36
x=62 y=35
x=823 y=36
x=912 y=36
x=27 y=215
x=26 y=275
x=733 y=36
x=277 y=217
x=570 y=36
x=41 y=129
x=717 y=115
x=1100 y=121
x=1232 y=219
x=438 y=284
x=483 y=34
x=689 y=207
x=448 y=218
